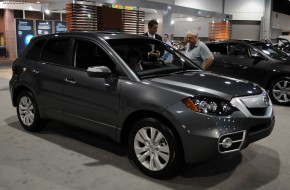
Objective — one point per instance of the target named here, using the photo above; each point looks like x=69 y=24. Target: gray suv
x=141 y=92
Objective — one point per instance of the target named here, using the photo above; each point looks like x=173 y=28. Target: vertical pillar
x=266 y=20
x=10 y=33
x=167 y=27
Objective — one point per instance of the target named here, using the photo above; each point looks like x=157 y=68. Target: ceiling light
x=47 y=11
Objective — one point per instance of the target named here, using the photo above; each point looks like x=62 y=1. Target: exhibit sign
x=43 y=27
x=24 y=33
x=60 y=26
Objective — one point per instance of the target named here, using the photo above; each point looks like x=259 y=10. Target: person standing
x=197 y=51
x=166 y=39
x=167 y=57
x=153 y=52
x=152 y=30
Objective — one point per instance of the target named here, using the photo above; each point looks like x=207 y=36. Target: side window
x=238 y=50
x=88 y=54
x=55 y=51
x=35 y=50
x=218 y=48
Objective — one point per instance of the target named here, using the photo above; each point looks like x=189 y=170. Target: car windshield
x=271 y=51
x=285 y=41
x=151 y=58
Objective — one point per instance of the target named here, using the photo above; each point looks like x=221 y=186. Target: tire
x=279 y=91
x=156 y=156
x=27 y=112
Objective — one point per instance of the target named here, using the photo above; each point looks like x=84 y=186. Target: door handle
x=70 y=81
x=35 y=71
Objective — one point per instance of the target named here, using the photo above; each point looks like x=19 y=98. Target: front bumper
x=202 y=135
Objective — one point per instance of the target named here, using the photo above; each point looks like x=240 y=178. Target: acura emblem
x=266 y=99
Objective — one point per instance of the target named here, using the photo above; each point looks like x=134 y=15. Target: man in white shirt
x=197 y=51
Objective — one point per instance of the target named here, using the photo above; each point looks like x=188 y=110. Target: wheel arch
x=273 y=78
x=17 y=91
x=135 y=116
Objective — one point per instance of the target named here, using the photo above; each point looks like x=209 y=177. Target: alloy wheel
x=26 y=110
x=281 y=91
x=151 y=148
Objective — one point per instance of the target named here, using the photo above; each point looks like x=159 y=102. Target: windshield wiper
x=183 y=71
x=166 y=74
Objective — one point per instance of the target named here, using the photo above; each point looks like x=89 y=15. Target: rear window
x=35 y=50
x=55 y=51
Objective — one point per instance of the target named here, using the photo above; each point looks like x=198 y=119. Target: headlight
x=210 y=106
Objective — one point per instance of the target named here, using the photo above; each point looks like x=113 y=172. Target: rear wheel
x=27 y=112
x=154 y=149
x=280 y=91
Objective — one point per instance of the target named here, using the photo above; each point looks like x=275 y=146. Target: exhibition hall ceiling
x=281 y=6
x=39 y=1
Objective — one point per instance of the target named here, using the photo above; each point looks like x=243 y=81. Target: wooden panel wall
x=112 y=19
x=94 y=18
x=220 y=30
x=133 y=21
x=81 y=17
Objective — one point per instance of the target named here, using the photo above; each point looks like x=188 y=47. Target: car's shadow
x=251 y=169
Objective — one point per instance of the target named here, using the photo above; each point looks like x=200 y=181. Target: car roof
x=225 y=41
x=101 y=34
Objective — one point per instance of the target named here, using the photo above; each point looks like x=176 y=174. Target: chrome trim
x=232 y=150
x=256 y=101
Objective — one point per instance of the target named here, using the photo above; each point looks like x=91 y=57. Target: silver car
x=123 y=86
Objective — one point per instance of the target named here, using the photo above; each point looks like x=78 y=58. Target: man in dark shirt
x=152 y=29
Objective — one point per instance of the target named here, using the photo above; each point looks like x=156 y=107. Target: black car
x=258 y=62
x=166 y=112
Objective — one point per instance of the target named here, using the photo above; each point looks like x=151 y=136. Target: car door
x=242 y=62
x=46 y=74
x=92 y=102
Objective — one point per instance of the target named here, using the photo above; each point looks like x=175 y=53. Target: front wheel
x=280 y=91
x=154 y=149
x=27 y=112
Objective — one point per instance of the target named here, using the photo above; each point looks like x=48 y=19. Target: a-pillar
x=9 y=35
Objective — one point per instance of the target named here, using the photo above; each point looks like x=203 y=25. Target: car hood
x=208 y=84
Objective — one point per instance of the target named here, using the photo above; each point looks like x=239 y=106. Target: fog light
x=227 y=142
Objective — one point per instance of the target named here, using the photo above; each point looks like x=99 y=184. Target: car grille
x=257 y=111
x=254 y=106
x=237 y=138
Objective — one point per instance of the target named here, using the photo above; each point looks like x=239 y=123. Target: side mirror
x=257 y=56
x=99 y=71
